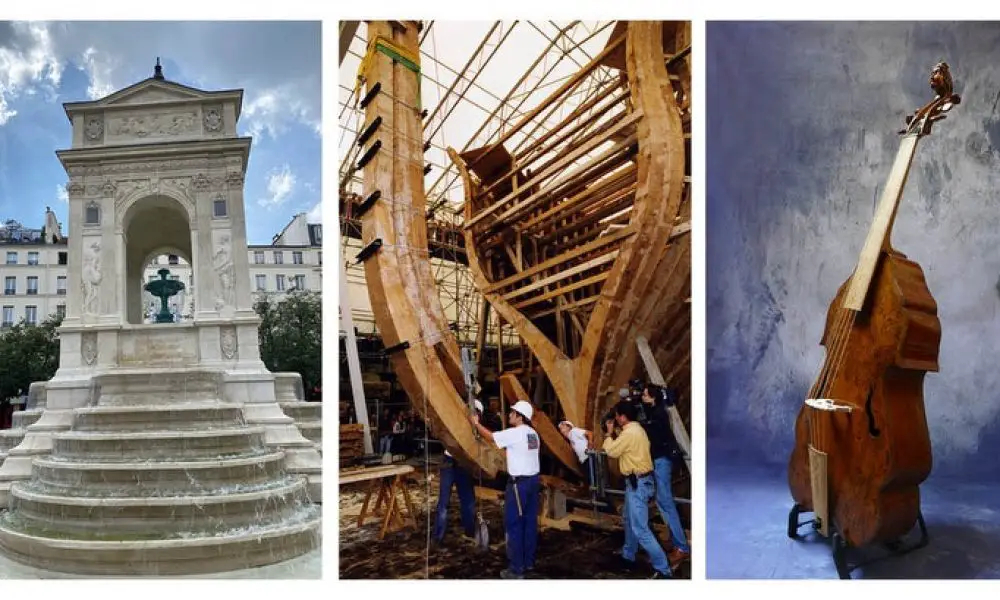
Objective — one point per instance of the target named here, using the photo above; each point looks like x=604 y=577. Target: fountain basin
x=163 y=476
x=226 y=551
x=157 y=445
x=140 y=418
x=153 y=517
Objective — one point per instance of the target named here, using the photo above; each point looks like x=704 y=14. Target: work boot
x=677 y=556
x=508 y=574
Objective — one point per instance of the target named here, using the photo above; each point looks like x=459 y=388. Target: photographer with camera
x=665 y=452
x=631 y=448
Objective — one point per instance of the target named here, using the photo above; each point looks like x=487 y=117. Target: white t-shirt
x=578 y=439
x=522 y=445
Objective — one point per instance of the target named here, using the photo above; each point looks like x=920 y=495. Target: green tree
x=28 y=353
x=291 y=336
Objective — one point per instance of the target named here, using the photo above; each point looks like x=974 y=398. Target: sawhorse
x=388 y=484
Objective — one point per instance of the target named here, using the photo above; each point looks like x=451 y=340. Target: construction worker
x=631 y=448
x=453 y=475
x=580 y=439
x=523 y=445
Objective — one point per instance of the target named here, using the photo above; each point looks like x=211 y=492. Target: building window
x=8 y=316
x=258 y=257
x=279 y=283
x=12 y=258
x=31 y=315
x=63 y=258
x=32 y=258
x=297 y=258
x=152 y=278
x=9 y=286
x=61 y=311
x=93 y=215
x=261 y=282
x=175 y=277
x=172 y=259
x=61 y=285
x=279 y=257
x=319 y=257
x=219 y=208
x=300 y=282
x=32 y=286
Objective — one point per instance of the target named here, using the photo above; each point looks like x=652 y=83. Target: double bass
x=862 y=446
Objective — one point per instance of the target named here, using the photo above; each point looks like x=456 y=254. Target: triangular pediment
x=152 y=90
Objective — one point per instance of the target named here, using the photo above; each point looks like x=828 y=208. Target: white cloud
x=316 y=214
x=274 y=109
x=29 y=64
x=61 y=193
x=280 y=185
x=99 y=67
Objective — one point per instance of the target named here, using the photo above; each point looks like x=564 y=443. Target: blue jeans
x=522 y=531
x=637 y=531
x=454 y=475
x=385 y=444
x=665 y=501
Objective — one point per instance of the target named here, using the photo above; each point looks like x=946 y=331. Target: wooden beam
x=580 y=268
x=565 y=87
x=559 y=291
x=556 y=168
x=558 y=260
x=676 y=423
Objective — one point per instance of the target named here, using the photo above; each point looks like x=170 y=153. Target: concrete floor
x=747 y=516
x=307 y=566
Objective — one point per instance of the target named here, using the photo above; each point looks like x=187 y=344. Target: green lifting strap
x=406 y=62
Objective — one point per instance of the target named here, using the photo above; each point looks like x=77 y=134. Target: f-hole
x=873 y=430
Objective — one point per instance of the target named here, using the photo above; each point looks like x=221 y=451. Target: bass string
x=838 y=346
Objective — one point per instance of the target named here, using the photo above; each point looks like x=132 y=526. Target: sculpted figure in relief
x=91 y=282
x=223 y=262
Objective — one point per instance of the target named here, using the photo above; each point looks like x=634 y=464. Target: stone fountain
x=158 y=449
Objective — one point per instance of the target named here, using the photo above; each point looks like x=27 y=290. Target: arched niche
x=150 y=225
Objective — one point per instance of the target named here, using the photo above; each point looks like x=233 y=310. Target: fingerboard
x=878 y=235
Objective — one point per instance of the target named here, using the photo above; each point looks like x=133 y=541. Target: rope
x=382 y=44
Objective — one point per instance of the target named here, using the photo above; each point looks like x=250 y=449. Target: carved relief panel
x=148 y=125
x=222 y=265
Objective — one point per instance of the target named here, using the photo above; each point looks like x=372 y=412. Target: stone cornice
x=158 y=150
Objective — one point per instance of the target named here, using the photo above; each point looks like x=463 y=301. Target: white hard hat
x=524 y=409
x=479 y=406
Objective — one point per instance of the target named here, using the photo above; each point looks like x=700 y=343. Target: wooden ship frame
x=578 y=237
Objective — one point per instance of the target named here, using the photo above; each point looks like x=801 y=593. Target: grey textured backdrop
x=802 y=129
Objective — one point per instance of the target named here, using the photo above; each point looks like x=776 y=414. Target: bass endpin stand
x=840 y=549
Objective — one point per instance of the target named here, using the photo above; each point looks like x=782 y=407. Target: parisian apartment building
x=33 y=270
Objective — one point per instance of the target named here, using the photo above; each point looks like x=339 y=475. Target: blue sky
x=277 y=64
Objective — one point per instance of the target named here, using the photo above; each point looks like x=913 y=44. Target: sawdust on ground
x=581 y=553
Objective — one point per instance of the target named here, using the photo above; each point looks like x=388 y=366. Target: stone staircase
x=308 y=417
x=159 y=482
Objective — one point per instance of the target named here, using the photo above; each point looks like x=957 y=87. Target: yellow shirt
x=631 y=448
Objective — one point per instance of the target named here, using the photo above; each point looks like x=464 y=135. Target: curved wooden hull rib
x=553 y=442
x=569 y=243
x=402 y=291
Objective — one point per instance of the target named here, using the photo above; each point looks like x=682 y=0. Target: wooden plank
x=555 y=168
x=559 y=291
x=558 y=260
x=623 y=180
x=614 y=154
x=374 y=474
x=580 y=268
x=565 y=87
